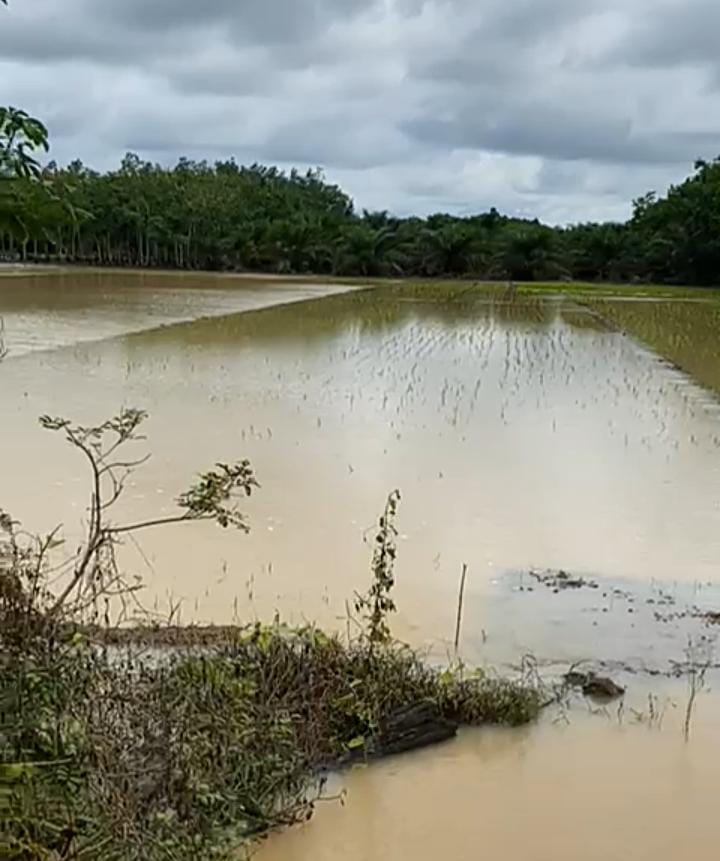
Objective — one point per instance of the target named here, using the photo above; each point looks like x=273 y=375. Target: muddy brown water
x=592 y=791
x=50 y=308
x=522 y=432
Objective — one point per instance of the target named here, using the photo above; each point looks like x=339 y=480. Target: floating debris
x=592 y=685
x=561 y=580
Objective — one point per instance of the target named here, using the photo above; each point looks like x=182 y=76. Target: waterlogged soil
x=525 y=433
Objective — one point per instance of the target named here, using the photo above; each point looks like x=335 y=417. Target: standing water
x=525 y=434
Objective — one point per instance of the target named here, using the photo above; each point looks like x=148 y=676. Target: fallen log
x=411 y=727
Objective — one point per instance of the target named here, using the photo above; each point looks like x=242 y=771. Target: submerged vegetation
x=122 y=738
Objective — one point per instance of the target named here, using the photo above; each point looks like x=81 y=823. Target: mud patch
x=561 y=580
x=608 y=627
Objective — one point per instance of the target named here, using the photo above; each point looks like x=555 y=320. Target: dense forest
x=197 y=215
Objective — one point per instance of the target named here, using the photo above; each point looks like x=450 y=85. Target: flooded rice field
x=689 y=339
x=526 y=434
x=47 y=308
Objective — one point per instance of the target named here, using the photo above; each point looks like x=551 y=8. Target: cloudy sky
x=564 y=109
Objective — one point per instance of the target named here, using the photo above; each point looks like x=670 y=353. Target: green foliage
x=378 y=603
x=209 y=497
x=22 y=198
x=193 y=216
x=681 y=232
x=21 y=136
x=224 y=216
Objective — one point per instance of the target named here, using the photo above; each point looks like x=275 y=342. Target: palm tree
x=448 y=250
x=367 y=251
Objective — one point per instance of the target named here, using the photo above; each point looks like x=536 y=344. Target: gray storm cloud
x=564 y=109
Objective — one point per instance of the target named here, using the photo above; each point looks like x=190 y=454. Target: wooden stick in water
x=460 y=606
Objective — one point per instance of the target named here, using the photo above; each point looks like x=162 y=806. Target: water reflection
x=45 y=310
x=522 y=432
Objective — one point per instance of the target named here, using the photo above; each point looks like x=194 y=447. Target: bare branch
x=148 y=524
x=94 y=570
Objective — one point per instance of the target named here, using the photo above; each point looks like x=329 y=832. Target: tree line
x=224 y=216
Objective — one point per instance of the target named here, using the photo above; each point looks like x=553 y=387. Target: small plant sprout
x=375 y=605
x=699 y=660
